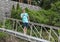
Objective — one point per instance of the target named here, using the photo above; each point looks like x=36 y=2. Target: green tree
x=46 y=4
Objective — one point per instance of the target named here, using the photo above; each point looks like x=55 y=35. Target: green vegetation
x=0 y=24
x=50 y=17
x=2 y=35
x=46 y=4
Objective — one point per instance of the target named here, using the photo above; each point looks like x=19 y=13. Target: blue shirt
x=24 y=17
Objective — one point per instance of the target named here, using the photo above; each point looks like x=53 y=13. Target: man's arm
x=21 y=15
x=28 y=17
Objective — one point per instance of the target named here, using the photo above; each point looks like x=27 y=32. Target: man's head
x=23 y=10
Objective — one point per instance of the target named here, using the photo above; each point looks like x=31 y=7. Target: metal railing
x=35 y=29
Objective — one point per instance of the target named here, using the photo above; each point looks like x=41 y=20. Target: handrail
x=20 y=35
x=43 y=25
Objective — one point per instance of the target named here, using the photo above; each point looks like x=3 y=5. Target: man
x=25 y=20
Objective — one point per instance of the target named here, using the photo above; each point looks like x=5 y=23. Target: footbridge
x=35 y=32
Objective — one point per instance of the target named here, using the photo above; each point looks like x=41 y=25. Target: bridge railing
x=34 y=29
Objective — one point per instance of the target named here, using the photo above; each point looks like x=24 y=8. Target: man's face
x=23 y=11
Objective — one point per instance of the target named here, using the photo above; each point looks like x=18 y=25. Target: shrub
x=50 y=17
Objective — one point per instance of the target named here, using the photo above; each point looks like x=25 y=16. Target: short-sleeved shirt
x=24 y=17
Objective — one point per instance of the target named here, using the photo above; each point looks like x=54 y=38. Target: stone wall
x=5 y=7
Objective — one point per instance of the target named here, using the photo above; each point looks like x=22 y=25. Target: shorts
x=25 y=24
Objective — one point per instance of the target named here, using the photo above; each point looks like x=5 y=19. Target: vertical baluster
x=41 y=32
x=50 y=34
x=59 y=35
x=53 y=40
x=4 y=22
x=13 y=25
x=31 y=29
x=16 y=25
x=59 y=39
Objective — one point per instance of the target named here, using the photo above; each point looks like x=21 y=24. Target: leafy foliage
x=51 y=16
x=46 y=4
x=15 y=13
x=3 y=35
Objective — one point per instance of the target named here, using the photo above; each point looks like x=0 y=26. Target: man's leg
x=25 y=30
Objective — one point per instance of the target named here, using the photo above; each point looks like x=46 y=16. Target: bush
x=3 y=35
x=15 y=13
x=50 y=17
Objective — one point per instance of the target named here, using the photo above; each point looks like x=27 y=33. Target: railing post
x=16 y=26
x=59 y=39
x=31 y=29
x=13 y=25
x=41 y=32
x=59 y=35
x=4 y=19
x=50 y=34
